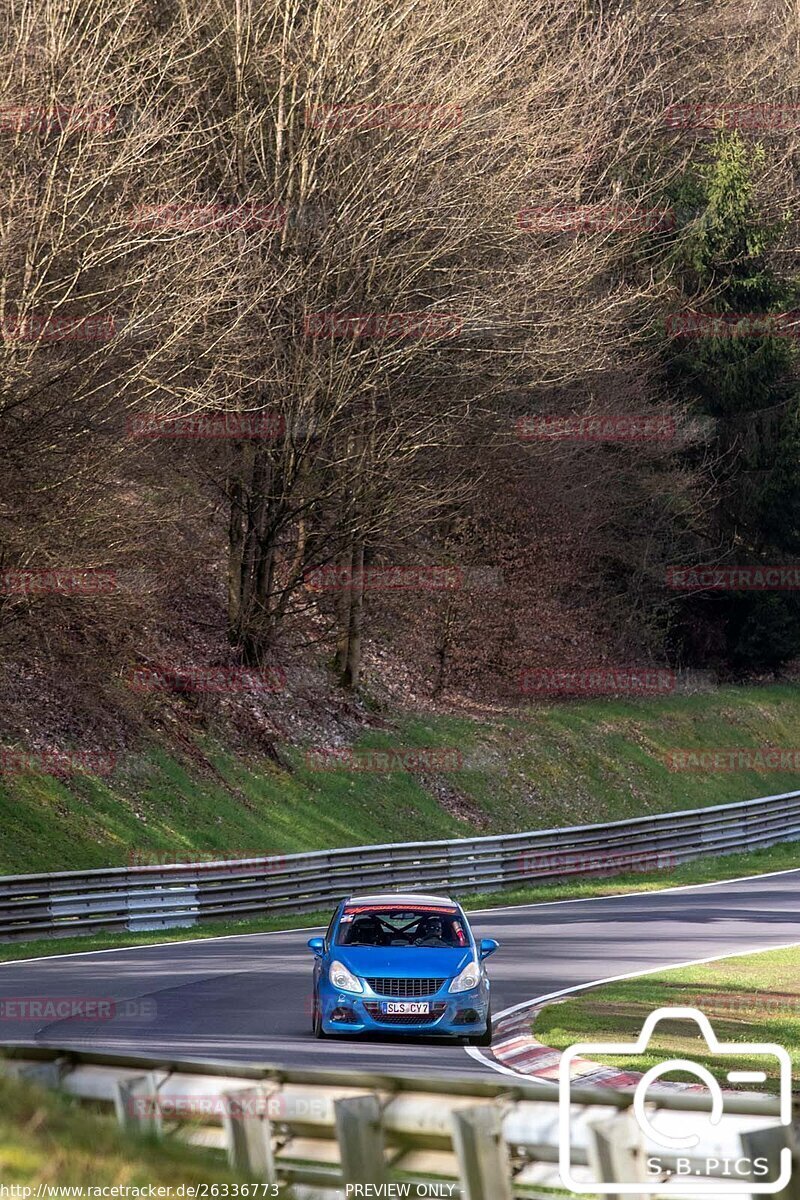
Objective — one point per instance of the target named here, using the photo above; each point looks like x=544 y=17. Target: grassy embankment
x=747 y=998
x=566 y=763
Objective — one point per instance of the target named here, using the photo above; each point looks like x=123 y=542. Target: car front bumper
x=453 y=1014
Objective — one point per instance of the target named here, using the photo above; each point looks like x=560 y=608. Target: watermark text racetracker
x=217 y=680
x=594 y=218
x=225 y=861
x=608 y=427
x=733 y=116
x=413 y=758
x=734 y=758
x=52 y=761
x=221 y=1191
x=734 y=579
x=57 y=581
x=419 y=577
x=422 y=324
x=277 y=1107
x=57 y=118
x=403 y=116
x=208 y=426
x=534 y=862
x=190 y=217
x=140 y=1191
x=76 y=1008
x=602 y=680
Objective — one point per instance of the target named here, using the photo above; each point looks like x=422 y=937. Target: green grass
x=46 y=1138
x=747 y=998
x=553 y=764
x=705 y=870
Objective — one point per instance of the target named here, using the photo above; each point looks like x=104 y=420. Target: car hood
x=405 y=961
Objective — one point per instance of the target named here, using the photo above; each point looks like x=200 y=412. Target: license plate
x=406 y=1006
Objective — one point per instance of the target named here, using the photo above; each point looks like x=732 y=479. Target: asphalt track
x=247 y=997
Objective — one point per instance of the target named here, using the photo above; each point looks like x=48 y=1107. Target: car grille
x=374 y=1010
x=408 y=988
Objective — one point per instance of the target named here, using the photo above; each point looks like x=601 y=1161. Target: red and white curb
x=515 y=1051
x=514 y=1048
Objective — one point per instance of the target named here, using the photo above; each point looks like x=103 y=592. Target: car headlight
x=343 y=979
x=469 y=978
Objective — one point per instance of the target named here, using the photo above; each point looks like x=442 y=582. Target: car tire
x=485 y=1038
x=316 y=1022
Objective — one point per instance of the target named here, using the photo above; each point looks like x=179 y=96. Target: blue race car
x=401 y=963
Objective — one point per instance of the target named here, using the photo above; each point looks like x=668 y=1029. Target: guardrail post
x=484 y=1166
x=616 y=1152
x=360 y=1134
x=136 y=1104
x=770 y=1144
x=248 y=1133
x=45 y=1074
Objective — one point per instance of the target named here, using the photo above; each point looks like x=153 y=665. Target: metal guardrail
x=182 y=894
x=478 y=1139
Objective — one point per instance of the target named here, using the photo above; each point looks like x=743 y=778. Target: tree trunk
x=235 y=560
x=352 y=670
x=344 y=598
x=442 y=650
x=249 y=548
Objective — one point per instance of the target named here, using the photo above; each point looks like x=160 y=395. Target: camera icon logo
x=720 y=1179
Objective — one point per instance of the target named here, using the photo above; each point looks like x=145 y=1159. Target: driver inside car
x=432 y=930
x=366 y=931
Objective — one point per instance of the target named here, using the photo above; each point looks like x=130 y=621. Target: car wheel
x=485 y=1038
x=316 y=1024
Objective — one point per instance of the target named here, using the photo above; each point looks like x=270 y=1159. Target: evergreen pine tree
x=741 y=373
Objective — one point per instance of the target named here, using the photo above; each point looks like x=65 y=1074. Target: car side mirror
x=317 y=944
x=487 y=947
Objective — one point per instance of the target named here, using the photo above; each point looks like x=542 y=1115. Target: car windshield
x=384 y=925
